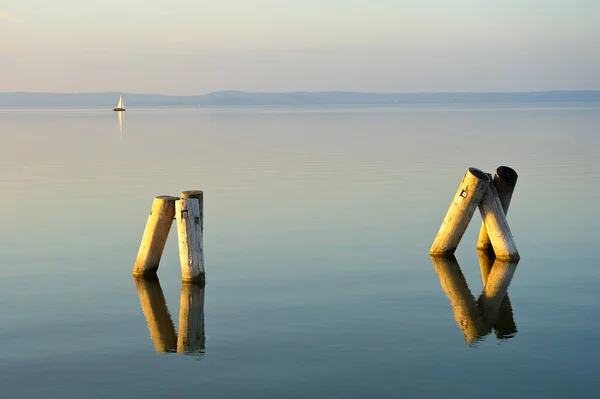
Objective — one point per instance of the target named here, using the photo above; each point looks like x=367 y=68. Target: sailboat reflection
x=121 y=116
x=492 y=310
x=191 y=338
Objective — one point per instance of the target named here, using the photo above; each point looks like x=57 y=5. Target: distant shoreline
x=327 y=98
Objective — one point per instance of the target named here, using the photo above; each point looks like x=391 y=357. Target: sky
x=187 y=47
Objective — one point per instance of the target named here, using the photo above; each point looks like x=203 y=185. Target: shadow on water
x=492 y=310
x=190 y=338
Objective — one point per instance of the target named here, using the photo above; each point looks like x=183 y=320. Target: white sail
x=120 y=104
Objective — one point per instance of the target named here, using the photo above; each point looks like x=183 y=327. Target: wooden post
x=505 y=181
x=191 y=336
x=199 y=195
x=187 y=214
x=464 y=306
x=472 y=188
x=154 y=306
x=497 y=226
x=155 y=235
x=495 y=289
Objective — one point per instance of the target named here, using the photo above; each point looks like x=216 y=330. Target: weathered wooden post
x=497 y=226
x=470 y=192
x=187 y=214
x=505 y=181
x=199 y=195
x=154 y=306
x=155 y=235
x=191 y=337
x=464 y=306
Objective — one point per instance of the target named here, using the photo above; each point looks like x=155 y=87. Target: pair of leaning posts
x=189 y=217
x=492 y=195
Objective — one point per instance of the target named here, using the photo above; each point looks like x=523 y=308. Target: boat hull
x=118 y=109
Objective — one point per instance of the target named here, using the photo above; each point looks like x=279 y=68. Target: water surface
x=318 y=224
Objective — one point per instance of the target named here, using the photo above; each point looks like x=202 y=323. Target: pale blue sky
x=198 y=46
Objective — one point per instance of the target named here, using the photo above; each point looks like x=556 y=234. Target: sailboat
x=120 y=105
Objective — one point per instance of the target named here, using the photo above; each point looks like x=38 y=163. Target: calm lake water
x=318 y=224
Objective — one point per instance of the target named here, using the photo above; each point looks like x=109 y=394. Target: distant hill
x=240 y=98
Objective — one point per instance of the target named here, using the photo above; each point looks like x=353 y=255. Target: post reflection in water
x=492 y=310
x=191 y=337
x=494 y=300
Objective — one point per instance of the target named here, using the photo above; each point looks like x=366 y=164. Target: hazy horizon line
x=305 y=91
